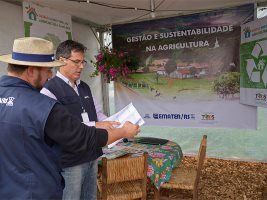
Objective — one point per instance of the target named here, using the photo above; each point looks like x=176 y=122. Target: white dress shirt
x=100 y=115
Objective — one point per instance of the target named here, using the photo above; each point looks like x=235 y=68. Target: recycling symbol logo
x=257 y=66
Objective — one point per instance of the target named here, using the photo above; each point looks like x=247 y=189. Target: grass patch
x=194 y=86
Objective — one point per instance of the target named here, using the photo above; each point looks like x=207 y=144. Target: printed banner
x=46 y=23
x=185 y=70
x=253 y=60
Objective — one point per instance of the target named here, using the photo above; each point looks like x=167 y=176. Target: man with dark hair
x=79 y=170
x=19 y=69
x=34 y=127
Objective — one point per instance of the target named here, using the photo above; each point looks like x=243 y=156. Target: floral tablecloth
x=161 y=159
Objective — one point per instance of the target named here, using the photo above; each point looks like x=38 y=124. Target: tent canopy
x=108 y=12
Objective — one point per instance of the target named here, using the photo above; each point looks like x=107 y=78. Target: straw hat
x=32 y=51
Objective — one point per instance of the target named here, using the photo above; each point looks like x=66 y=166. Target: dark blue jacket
x=66 y=95
x=29 y=168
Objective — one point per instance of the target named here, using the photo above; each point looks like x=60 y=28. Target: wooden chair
x=264 y=193
x=187 y=179
x=123 y=178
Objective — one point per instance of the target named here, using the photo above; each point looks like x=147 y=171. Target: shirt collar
x=65 y=79
x=7 y=81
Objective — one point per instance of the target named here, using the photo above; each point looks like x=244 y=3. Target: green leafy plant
x=227 y=84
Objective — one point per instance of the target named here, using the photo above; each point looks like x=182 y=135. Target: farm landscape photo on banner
x=185 y=70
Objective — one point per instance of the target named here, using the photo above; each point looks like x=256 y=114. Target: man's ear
x=30 y=71
x=61 y=58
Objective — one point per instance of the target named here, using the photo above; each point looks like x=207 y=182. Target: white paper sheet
x=128 y=113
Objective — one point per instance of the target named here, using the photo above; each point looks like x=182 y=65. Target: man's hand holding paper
x=107 y=124
x=130 y=129
x=124 y=124
x=128 y=116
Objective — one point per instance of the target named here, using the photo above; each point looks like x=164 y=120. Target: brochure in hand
x=128 y=113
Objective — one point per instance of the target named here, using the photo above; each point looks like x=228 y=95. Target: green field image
x=258 y=61
x=158 y=87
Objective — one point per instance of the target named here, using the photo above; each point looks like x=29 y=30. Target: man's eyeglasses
x=78 y=62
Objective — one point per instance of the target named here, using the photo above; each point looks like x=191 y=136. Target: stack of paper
x=128 y=113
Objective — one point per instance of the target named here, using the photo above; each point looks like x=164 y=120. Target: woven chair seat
x=181 y=179
x=123 y=178
x=185 y=178
x=123 y=190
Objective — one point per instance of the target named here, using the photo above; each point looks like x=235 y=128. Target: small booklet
x=115 y=154
x=128 y=113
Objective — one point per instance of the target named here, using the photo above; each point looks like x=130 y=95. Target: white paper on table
x=128 y=113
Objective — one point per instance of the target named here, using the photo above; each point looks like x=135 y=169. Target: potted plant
x=111 y=64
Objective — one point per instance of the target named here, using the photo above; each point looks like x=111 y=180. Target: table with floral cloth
x=161 y=158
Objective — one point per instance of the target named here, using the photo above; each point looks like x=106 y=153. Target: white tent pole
x=104 y=85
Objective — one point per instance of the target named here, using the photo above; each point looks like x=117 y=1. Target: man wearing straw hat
x=34 y=127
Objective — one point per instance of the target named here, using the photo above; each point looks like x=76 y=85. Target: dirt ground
x=227 y=179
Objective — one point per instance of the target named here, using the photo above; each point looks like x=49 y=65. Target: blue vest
x=29 y=168
x=66 y=95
